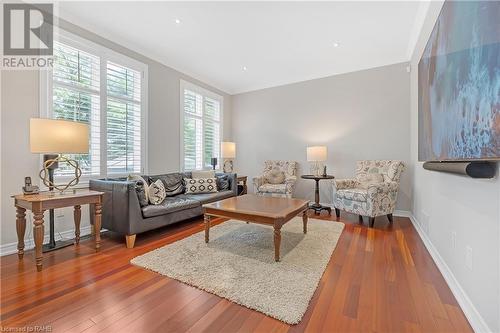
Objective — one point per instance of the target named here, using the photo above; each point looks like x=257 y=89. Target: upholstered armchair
x=278 y=179
x=373 y=191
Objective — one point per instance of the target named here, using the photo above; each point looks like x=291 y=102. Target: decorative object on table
x=283 y=189
x=228 y=153
x=213 y=161
x=39 y=203
x=242 y=185
x=316 y=155
x=316 y=206
x=324 y=171
x=373 y=191
x=53 y=137
x=28 y=188
x=240 y=249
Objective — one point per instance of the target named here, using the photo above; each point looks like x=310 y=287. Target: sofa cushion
x=209 y=197
x=170 y=205
x=275 y=176
x=273 y=188
x=172 y=182
x=202 y=174
x=354 y=194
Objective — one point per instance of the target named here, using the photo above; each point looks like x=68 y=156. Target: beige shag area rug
x=238 y=264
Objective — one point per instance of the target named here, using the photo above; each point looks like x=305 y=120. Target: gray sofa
x=122 y=212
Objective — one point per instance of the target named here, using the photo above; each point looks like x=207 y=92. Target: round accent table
x=316 y=205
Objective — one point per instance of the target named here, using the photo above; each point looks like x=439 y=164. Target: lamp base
x=57 y=245
x=228 y=166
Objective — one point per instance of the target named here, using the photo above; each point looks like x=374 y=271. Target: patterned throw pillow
x=141 y=193
x=275 y=176
x=138 y=179
x=156 y=192
x=200 y=185
x=222 y=182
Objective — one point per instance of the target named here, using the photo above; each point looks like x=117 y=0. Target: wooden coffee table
x=258 y=209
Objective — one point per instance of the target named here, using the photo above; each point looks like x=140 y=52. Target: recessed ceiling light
x=177 y=21
x=245 y=68
x=336 y=44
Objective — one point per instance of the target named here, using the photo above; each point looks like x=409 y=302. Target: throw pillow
x=222 y=182
x=138 y=179
x=370 y=179
x=203 y=174
x=141 y=193
x=275 y=176
x=172 y=183
x=200 y=185
x=156 y=192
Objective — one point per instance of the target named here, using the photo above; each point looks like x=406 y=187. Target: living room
x=250 y=166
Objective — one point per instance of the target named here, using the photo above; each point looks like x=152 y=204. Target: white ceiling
x=278 y=42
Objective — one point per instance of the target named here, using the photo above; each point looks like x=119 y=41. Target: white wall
x=360 y=115
x=445 y=203
x=20 y=102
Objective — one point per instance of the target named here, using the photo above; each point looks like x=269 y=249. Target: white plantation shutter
x=123 y=119
x=76 y=97
x=201 y=134
x=107 y=91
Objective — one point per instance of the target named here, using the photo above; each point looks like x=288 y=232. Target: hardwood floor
x=378 y=280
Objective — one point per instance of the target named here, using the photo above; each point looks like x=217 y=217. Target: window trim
x=183 y=84
x=105 y=54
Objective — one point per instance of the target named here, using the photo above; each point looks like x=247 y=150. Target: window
x=107 y=91
x=201 y=123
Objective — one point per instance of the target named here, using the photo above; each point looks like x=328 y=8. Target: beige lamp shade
x=50 y=136
x=228 y=149
x=316 y=154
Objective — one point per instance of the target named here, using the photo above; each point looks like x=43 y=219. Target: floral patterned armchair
x=278 y=179
x=373 y=191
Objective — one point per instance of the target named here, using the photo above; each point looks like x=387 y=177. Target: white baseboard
x=475 y=319
x=11 y=248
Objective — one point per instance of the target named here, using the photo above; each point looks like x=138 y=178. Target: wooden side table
x=39 y=203
x=316 y=206
x=243 y=181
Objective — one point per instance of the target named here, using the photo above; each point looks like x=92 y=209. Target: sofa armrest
x=340 y=184
x=258 y=182
x=120 y=207
x=290 y=182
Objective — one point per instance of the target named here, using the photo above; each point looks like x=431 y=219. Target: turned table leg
x=304 y=220
x=207 y=228
x=38 y=231
x=21 y=230
x=77 y=215
x=277 y=242
x=97 y=225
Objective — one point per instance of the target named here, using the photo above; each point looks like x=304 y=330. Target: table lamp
x=228 y=152
x=316 y=155
x=54 y=137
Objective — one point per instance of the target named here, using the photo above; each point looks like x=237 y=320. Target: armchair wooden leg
x=337 y=212
x=360 y=218
x=372 y=221
x=389 y=217
x=130 y=240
